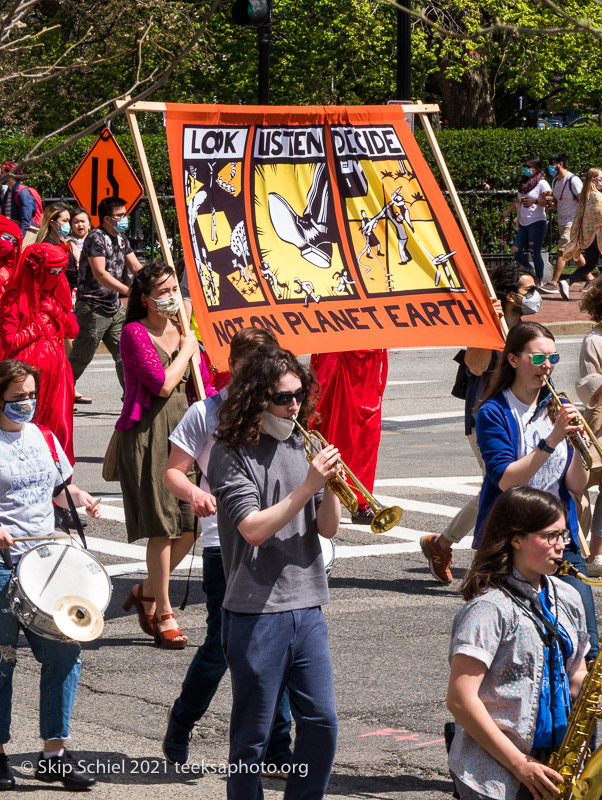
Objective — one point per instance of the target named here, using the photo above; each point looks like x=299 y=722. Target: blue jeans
x=265 y=654
x=574 y=557
x=61 y=666
x=208 y=666
x=531 y=237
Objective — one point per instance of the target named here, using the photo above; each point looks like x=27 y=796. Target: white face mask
x=277 y=427
x=530 y=304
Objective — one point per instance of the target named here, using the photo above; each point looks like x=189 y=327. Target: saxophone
x=581 y=783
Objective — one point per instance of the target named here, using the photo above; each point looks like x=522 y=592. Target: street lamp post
x=404 y=53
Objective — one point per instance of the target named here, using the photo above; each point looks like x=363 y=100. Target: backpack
x=37 y=217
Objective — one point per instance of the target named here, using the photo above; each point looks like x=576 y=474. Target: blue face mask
x=122 y=225
x=20 y=411
x=65 y=229
x=527 y=172
x=552 y=171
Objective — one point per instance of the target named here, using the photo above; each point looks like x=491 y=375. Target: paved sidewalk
x=562 y=318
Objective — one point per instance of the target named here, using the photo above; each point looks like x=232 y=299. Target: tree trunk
x=468 y=102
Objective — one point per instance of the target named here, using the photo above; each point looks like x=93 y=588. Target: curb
x=576 y=328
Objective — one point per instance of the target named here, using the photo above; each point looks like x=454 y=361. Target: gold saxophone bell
x=581 y=769
x=385 y=517
x=575 y=438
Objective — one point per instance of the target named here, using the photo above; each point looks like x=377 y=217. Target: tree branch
x=579 y=26
x=31 y=157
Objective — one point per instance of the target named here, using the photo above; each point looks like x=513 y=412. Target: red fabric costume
x=353 y=384
x=11 y=240
x=36 y=316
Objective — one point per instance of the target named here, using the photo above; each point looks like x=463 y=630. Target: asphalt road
x=389 y=620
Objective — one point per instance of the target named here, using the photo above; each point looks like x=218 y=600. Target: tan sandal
x=168 y=639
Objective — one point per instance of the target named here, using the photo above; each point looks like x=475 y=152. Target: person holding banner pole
x=516 y=297
x=156 y=364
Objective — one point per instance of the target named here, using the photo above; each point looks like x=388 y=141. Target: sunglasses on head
x=286 y=398
x=537 y=359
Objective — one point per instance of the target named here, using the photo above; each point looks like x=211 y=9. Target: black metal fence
x=483 y=209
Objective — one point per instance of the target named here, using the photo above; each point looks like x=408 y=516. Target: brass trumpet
x=385 y=517
x=575 y=438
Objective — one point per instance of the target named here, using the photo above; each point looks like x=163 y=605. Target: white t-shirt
x=566 y=192
x=194 y=435
x=28 y=478
x=530 y=214
x=532 y=427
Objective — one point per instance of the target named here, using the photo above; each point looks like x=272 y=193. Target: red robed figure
x=352 y=383
x=36 y=316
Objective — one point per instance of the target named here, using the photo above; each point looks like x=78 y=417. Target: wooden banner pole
x=161 y=233
x=464 y=224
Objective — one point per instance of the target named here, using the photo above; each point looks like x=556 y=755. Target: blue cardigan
x=498 y=440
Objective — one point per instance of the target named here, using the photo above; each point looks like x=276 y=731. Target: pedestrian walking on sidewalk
x=531 y=203
x=586 y=230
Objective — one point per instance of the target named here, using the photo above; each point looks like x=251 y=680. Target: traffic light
x=251 y=12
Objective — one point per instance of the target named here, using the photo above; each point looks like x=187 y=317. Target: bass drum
x=327 y=546
x=46 y=574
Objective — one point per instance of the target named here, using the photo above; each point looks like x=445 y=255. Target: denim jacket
x=493 y=629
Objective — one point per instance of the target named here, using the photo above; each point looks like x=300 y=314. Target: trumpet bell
x=385 y=519
x=78 y=618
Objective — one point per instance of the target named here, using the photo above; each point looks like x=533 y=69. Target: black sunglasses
x=286 y=398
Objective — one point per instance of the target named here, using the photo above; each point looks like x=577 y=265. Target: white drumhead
x=77 y=573
x=327 y=546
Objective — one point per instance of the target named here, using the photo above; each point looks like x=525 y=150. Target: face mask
x=20 y=410
x=64 y=229
x=530 y=304
x=552 y=172
x=277 y=427
x=527 y=172
x=167 y=306
x=122 y=225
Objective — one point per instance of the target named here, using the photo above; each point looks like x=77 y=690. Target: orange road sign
x=105 y=172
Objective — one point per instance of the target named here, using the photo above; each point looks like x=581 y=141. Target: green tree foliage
x=519 y=58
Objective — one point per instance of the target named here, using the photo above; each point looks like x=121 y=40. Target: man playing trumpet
x=270 y=508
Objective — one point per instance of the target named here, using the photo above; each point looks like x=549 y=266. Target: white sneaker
x=563 y=288
x=594 y=566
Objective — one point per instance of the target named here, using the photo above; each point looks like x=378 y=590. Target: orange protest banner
x=323 y=224
x=105 y=172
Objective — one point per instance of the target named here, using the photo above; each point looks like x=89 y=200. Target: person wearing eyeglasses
x=517 y=652
x=270 y=508
x=586 y=231
x=523 y=440
x=105 y=258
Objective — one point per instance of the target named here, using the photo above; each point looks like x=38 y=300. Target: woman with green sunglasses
x=523 y=440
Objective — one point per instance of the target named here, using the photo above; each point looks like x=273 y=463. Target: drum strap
x=49 y=439
x=6 y=557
